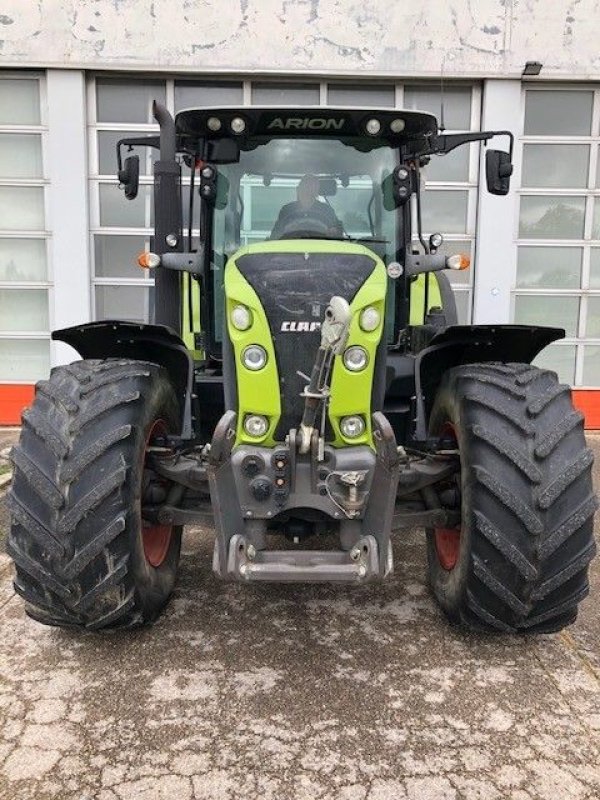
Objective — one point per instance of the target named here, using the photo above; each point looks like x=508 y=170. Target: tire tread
x=531 y=499
x=71 y=492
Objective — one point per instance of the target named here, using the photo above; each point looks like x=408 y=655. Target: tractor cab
x=357 y=172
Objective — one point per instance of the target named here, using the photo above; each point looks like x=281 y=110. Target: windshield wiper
x=308 y=235
x=367 y=240
x=354 y=239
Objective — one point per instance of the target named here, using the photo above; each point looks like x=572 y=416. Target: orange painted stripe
x=588 y=402
x=14 y=397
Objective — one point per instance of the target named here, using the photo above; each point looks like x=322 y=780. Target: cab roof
x=373 y=127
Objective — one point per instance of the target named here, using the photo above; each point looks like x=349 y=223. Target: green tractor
x=303 y=381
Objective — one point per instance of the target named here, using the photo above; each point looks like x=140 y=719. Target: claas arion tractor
x=304 y=387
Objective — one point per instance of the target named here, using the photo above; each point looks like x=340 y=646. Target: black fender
x=472 y=344
x=157 y=343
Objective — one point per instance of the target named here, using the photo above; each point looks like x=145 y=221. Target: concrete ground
x=291 y=692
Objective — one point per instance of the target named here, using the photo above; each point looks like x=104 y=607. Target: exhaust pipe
x=167 y=131
x=167 y=222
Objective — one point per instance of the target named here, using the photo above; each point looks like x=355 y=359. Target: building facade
x=76 y=77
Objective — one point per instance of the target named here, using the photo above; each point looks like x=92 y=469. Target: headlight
x=241 y=318
x=356 y=358
x=238 y=125
x=352 y=427
x=254 y=357
x=369 y=319
x=256 y=425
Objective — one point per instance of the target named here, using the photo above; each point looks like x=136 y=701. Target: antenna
x=442 y=122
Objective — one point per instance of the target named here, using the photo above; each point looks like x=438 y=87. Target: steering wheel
x=306 y=227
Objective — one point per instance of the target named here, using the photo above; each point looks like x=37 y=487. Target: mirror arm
x=446 y=142
x=511 y=139
x=140 y=141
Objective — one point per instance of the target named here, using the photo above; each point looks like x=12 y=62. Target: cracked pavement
x=291 y=692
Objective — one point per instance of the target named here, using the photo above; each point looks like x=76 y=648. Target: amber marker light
x=458 y=261
x=147 y=260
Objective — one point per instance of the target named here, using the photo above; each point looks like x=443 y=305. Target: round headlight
x=373 y=127
x=369 y=319
x=256 y=425
x=254 y=357
x=241 y=318
x=238 y=125
x=397 y=125
x=352 y=427
x=356 y=358
x=213 y=124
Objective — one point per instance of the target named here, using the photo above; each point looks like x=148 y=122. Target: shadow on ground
x=299 y=692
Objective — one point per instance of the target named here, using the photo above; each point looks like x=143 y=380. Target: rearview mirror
x=327 y=187
x=498 y=170
x=129 y=177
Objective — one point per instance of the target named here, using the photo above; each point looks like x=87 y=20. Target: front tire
x=83 y=555
x=519 y=560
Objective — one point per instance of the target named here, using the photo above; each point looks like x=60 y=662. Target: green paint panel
x=304 y=246
x=258 y=392
x=196 y=327
x=417 y=298
x=351 y=391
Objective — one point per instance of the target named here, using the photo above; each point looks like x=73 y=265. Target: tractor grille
x=295 y=289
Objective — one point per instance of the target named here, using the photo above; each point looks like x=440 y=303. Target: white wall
x=387 y=37
x=68 y=204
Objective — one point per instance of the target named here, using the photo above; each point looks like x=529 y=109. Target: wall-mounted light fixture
x=532 y=68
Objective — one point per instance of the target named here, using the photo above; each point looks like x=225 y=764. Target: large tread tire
x=76 y=532
x=527 y=500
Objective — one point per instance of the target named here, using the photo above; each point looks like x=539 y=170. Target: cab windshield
x=345 y=184
x=301 y=188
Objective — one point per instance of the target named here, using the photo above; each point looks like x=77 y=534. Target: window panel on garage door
x=449 y=199
x=25 y=284
x=121 y=228
x=558 y=237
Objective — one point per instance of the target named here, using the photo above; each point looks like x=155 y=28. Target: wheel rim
x=155 y=538
x=447 y=540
